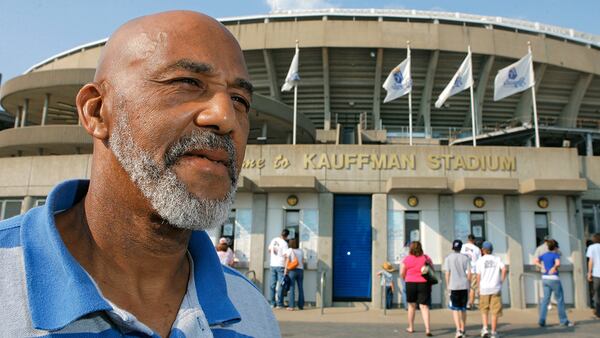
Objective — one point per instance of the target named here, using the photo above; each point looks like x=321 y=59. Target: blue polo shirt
x=45 y=292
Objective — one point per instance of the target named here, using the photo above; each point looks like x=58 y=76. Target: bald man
x=125 y=253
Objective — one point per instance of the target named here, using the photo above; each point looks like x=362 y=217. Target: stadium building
x=353 y=190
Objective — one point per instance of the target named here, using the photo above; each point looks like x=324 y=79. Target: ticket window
x=9 y=208
x=228 y=228
x=412 y=228
x=292 y=223
x=541 y=227
x=478 y=225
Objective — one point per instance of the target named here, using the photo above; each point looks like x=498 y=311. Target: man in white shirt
x=472 y=250
x=277 y=249
x=593 y=254
x=491 y=273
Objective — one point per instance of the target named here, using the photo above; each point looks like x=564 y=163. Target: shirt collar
x=60 y=291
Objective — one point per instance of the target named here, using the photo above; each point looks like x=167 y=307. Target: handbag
x=292 y=263
x=429 y=274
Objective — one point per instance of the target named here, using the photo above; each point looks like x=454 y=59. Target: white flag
x=292 y=78
x=463 y=79
x=399 y=82
x=514 y=78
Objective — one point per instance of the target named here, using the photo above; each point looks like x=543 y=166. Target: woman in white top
x=296 y=275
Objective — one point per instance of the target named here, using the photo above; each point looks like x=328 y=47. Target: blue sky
x=33 y=30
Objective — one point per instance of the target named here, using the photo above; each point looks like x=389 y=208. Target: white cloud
x=277 y=5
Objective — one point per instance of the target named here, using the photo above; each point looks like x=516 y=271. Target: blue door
x=352 y=248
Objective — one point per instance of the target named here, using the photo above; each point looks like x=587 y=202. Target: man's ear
x=89 y=106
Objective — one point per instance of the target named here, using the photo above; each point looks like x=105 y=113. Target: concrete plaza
x=363 y=322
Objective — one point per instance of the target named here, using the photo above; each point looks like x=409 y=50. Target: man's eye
x=187 y=80
x=242 y=101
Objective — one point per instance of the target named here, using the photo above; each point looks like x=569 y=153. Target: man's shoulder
x=256 y=314
x=595 y=248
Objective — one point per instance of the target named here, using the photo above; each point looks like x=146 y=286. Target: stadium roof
x=395 y=14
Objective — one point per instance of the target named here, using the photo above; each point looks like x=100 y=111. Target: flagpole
x=295 y=100
x=410 y=133
x=473 y=122
x=535 y=115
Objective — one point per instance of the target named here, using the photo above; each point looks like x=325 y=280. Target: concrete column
x=524 y=111
x=326 y=94
x=482 y=84
x=325 y=247
x=568 y=116
x=271 y=74
x=580 y=286
x=379 y=247
x=512 y=216
x=26 y=204
x=257 y=238
x=446 y=212
x=24 y=113
x=377 y=89
x=45 y=109
x=425 y=105
x=18 y=116
x=263 y=130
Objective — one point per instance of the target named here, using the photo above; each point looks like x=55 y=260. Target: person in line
x=277 y=249
x=126 y=252
x=387 y=281
x=224 y=252
x=296 y=275
x=418 y=290
x=549 y=263
x=457 y=269
x=491 y=273
x=543 y=248
x=593 y=275
x=474 y=253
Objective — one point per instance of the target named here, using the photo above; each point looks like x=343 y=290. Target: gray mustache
x=205 y=140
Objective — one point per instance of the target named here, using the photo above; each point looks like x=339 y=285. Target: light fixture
x=543 y=202
x=292 y=200
x=479 y=202
x=412 y=201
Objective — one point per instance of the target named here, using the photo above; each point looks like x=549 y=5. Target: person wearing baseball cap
x=491 y=273
x=457 y=269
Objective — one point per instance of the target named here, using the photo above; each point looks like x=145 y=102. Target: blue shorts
x=458 y=300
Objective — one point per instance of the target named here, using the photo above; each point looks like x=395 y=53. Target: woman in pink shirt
x=418 y=291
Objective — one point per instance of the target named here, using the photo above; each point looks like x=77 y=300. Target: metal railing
x=522 y=276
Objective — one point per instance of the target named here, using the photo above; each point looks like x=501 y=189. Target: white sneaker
x=458 y=334
x=485 y=333
x=495 y=335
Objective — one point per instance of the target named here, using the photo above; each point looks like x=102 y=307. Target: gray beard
x=159 y=184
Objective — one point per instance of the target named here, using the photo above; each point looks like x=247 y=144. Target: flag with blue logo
x=399 y=82
x=514 y=78
x=463 y=79
x=292 y=78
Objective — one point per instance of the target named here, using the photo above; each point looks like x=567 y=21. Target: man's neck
x=138 y=261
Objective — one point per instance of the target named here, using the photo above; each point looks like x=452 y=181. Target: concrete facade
x=260 y=209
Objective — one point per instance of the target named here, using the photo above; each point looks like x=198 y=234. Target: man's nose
x=218 y=114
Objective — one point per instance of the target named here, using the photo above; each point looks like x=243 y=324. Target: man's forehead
x=159 y=40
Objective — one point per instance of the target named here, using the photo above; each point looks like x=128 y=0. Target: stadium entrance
x=352 y=248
